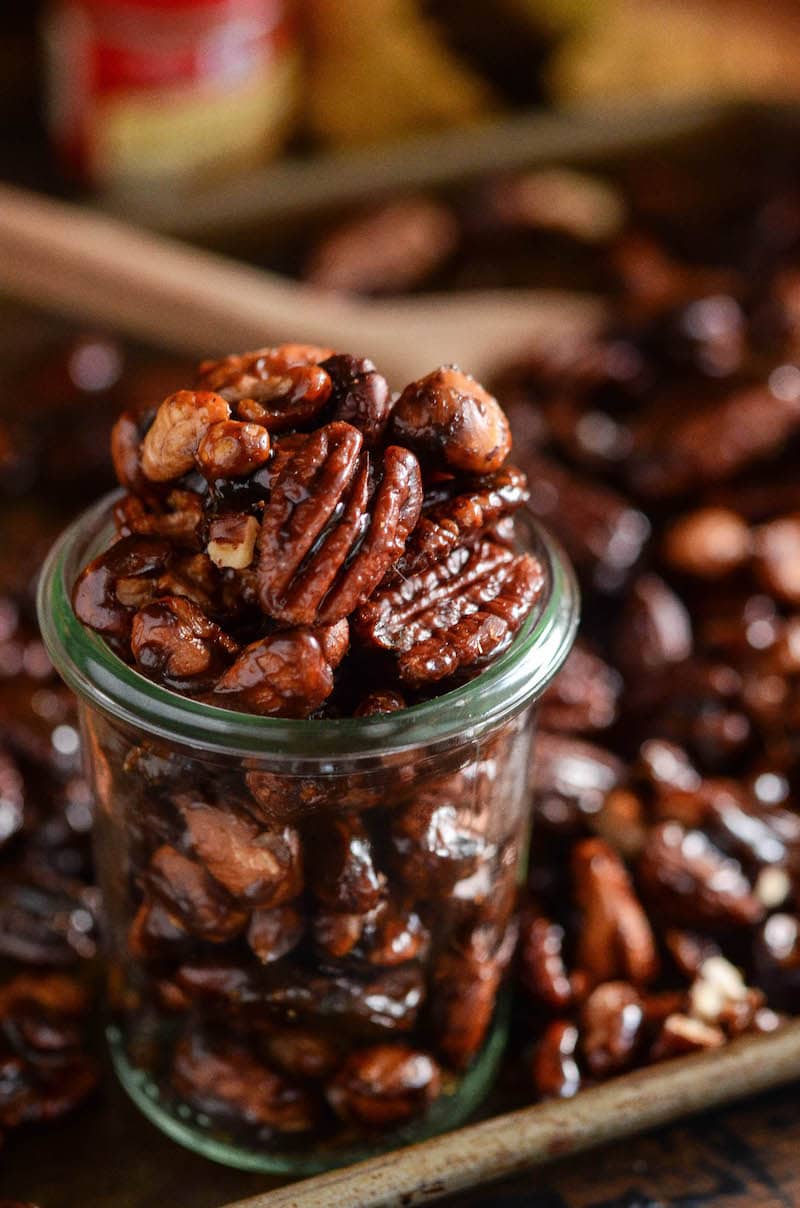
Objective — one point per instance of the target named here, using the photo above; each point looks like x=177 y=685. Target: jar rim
x=465 y=713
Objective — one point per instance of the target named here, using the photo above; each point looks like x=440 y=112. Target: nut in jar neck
x=297 y=541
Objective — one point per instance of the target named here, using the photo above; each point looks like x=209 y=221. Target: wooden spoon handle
x=90 y=266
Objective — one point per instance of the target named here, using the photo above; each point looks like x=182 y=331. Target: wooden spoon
x=89 y=266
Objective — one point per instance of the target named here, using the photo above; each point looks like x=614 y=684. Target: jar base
x=194 y=1131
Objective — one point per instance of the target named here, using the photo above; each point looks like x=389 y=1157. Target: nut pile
x=295 y=541
x=664 y=894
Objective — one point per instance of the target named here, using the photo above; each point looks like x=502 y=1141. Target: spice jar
x=142 y=92
x=308 y=921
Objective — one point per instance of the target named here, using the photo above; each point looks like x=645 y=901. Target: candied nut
x=342 y=872
x=231 y=449
x=302 y=1052
x=611 y=1023
x=773 y=887
x=681 y=1034
x=177 y=518
x=94 y=597
x=218 y=1076
x=280 y=388
x=181 y=422
x=436 y=844
x=571 y=780
x=458 y=512
x=189 y=893
x=260 y=867
x=448 y=417
x=383 y=1085
x=777 y=557
x=667 y=767
x=603 y=533
x=390 y=249
x=155 y=932
x=454 y=615
x=656 y=629
x=284 y=675
x=555 y=1069
x=175 y=642
x=274 y=932
x=543 y=972
x=232 y=540
x=326 y=541
x=379 y=701
x=336 y=933
x=387 y=935
x=616 y=939
x=690 y=881
x=621 y=822
x=585 y=694
x=708 y=543
x=360 y=395
x=463 y=997
x=126 y=443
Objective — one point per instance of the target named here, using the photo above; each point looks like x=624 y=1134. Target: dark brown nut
x=458 y=513
x=620 y=821
x=689 y=881
x=777 y=960
x=177 y=518
x=436 y=844
x=360 y=395
x=181 y=422
x=602 y=532
x=302 y=1052
x=454 y=615
x=389 y=249
x=584 y=207
x=342 y=873
x=708 y=543
x=274 y=932
x=612 y=1019
x=384 y=1085
x=174 y=642
x=777 y=558
x=712 y=443
x=689 y=950
x=12 y=798
x=231 y=449
x=232 y=540
x=189 y=893
x=380 y=701
x=585 y=695
x=666 y=767
x=259 y=867
x=126 y=443
x=720 y=997
x=154 y=932
x=654 y=281
x=38 y=912
x=220 y=1077
x=660 y=1005
x=463 y=998
x=555 y=1069
x=616 y=940
x=280 y=388
x=42 y=1094
x=366 y=1004
x=655 y=630
x=543 y=971
x=325 y=545
x=571 y=781
x=194 y=577
x=284 y=675
x=131 y=566
x=681 y=1034
x=449 y=419
x=335 y=933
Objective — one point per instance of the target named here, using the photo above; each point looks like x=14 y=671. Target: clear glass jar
x=307 y=922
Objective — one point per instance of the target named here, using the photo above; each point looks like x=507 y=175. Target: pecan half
x=616 y=939
x=280 y=388
x=360 y=395
x=454 y=615
x=110 y=589
x=556 y=1074
x=327 y=536
x=384 y=1085
x=612 y=1019
x=190 y=894
x=284 y=675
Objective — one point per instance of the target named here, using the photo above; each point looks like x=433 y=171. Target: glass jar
x=307 y=922
x=142 y=92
